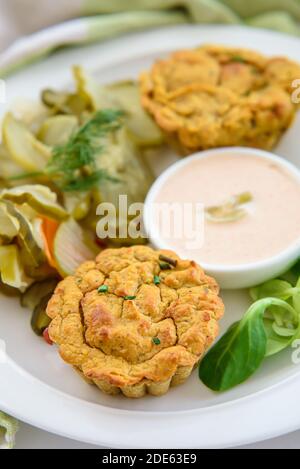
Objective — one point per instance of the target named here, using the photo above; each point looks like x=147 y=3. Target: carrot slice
x=49 y=229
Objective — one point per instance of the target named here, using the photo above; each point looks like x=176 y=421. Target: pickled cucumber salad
x=58 y=161
x=8 y=429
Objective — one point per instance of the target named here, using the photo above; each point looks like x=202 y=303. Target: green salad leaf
x=243 y=348
x=276 y=342
x=274 y=288
x=270 y=325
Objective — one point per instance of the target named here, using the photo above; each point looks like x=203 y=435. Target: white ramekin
x=235 y=276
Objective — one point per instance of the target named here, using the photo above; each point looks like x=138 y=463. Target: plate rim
x=250 y=434
x=159 y=422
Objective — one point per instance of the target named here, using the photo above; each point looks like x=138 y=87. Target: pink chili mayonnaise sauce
x=273 y=220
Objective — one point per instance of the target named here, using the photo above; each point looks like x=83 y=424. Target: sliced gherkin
x=123 y=95
x=11 y=268
x=77 y=204
x=8 y=167
x=39 y=320
x=231 y=210
x=9 y=291
x=31 y=254
x=76 y=104
x=9 y=226
x=131 y=174
x=57 y=130
x=53 y=98
x=36 y=292
x=90 y=90
x=39 y=197
x=63 y=102
x=126 y=96
x=131 y=178
x=26 y=151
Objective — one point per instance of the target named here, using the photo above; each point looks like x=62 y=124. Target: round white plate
x=37 y=387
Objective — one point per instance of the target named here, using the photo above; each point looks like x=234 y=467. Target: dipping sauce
x=271 y=223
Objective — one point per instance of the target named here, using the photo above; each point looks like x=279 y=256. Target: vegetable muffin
x=135 y=320
x=215 y=96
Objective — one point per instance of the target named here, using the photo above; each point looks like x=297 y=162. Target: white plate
x=37 y=387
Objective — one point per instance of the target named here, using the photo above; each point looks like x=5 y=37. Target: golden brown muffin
x=216 y=96
x=282 y=72
x=147 y=327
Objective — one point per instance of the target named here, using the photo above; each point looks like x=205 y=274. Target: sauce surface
x=272 y=222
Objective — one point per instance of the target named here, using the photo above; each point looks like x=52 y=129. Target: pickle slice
x=8 y=167
x=63 y=103
x=36 y=292
x=9 y=226
x=39 y=320
x=39 y=197
x=24 y=148
x=123 y=161
x=123 y=95
x=53 y=99
x=11 y=269
x=77 y=204
x=31 y=255
x=90 y=90
x=126 y=96
x=57 y=130
x=231 y=210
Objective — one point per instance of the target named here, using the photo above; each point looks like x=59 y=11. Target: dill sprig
x=73 y=166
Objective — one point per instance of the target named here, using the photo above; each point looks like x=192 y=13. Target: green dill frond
x=86 y=182
x=81 y=148
x=72 y=166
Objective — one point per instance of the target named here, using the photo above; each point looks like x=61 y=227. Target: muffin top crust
x=216 y=96
x=134 y=314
